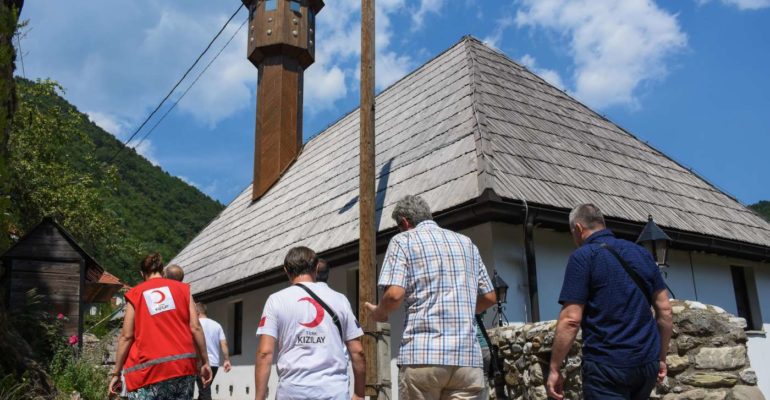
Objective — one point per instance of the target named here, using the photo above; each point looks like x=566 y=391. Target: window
x=746 y=298
x=271 y=5
x=295 y=6
x=237 y=326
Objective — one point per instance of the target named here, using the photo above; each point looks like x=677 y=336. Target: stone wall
x=707 y=358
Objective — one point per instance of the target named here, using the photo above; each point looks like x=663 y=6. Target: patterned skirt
x=172 y=389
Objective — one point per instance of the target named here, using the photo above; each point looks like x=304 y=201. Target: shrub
x=72 y=373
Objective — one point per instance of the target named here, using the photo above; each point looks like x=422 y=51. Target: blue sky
x=691 y=77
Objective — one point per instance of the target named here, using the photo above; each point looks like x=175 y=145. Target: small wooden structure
x=50 y=261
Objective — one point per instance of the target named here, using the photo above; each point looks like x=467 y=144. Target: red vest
x=163 y=343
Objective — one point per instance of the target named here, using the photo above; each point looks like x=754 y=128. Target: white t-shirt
x=214 y=334
x=312 y=363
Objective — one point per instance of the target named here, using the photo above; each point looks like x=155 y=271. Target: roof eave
x=489 y=207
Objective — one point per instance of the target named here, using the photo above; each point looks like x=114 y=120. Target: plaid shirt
x=443 y=275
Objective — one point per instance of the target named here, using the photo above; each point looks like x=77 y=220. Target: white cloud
x=495 y=39
x=391 y=67
x=120 y=68
x=426 y=7
x=324 y=86
x=616 y=45
x=146 y=150
x=550 y=75
x=336 y=71
x=107 y=122
x=742 y=4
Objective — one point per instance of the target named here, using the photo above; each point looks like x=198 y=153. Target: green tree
x=762 y=208
x=117 y=210
x=9 y=17
x=53 y=171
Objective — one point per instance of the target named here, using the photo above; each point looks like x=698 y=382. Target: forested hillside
x=119 y=211
x=763 y=208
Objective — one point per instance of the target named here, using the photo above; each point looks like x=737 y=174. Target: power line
x=21 y=55
x=176 y=85
x=203 y=71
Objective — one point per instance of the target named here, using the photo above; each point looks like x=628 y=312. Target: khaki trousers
x=440 y=382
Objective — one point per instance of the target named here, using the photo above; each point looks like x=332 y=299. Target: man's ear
x=579 y=228
x=405 y=223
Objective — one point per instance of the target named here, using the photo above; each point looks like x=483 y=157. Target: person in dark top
x=624 y=343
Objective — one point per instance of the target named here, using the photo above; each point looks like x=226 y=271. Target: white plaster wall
x=759 y=343
x=552 y=251
x=509 y=261
x=242 y=374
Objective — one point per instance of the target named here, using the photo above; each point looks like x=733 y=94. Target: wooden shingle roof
x=469 y=120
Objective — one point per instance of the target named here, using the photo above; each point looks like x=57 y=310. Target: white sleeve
x=268 y=324
x=221 y=334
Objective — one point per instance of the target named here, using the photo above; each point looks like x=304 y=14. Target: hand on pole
x=374 y=312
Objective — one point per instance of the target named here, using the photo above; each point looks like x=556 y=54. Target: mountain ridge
x=144 y=207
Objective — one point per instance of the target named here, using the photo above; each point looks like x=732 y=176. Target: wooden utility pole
x=367 y=231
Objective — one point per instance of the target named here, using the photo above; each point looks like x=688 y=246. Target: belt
x=160 y=360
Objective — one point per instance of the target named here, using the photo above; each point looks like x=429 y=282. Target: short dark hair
x=299 y=261
x=151 y=264
x=322 y=271
x=588 y=215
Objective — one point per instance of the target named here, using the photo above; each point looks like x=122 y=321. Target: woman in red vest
x=161 y=339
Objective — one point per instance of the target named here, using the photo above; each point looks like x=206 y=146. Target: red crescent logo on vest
x=162 y=296
x=262 y=321
x=319 y=313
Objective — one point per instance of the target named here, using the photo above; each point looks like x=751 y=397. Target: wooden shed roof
x=49 y=241
x=469 y=120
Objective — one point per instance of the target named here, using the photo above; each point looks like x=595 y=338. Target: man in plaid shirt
x=440 y=276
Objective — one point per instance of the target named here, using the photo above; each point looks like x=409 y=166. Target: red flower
x=73 y=340
x=60 y=316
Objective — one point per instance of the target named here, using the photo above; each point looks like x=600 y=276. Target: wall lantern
x=501 y=291
x=655 y=241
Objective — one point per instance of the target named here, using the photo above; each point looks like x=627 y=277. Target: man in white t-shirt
x=215 y=341
x=311 y=348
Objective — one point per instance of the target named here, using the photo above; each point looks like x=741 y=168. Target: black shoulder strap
x=630 y=271
x=496 y=366
x=326 y=307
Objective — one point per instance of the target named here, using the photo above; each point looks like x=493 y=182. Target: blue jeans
x=605 y=382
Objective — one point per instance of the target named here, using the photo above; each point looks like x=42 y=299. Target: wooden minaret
x=281 y=45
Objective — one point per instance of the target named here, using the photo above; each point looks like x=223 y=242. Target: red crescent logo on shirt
x=319 y=313
x=262 y=321
x=162 y=296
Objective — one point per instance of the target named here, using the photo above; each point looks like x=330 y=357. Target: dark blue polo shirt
x=619 y=329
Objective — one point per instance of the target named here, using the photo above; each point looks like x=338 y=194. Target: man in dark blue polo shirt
x=624 y=343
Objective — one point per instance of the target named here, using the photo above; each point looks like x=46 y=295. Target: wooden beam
x=367 y=230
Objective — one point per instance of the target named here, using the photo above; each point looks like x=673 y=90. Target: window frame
x=236 y=329
x=746 y=297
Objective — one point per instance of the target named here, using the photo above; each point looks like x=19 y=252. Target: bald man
x=174 y=272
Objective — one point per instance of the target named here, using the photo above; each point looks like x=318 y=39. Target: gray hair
x=588 y=215
x=414 y=208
